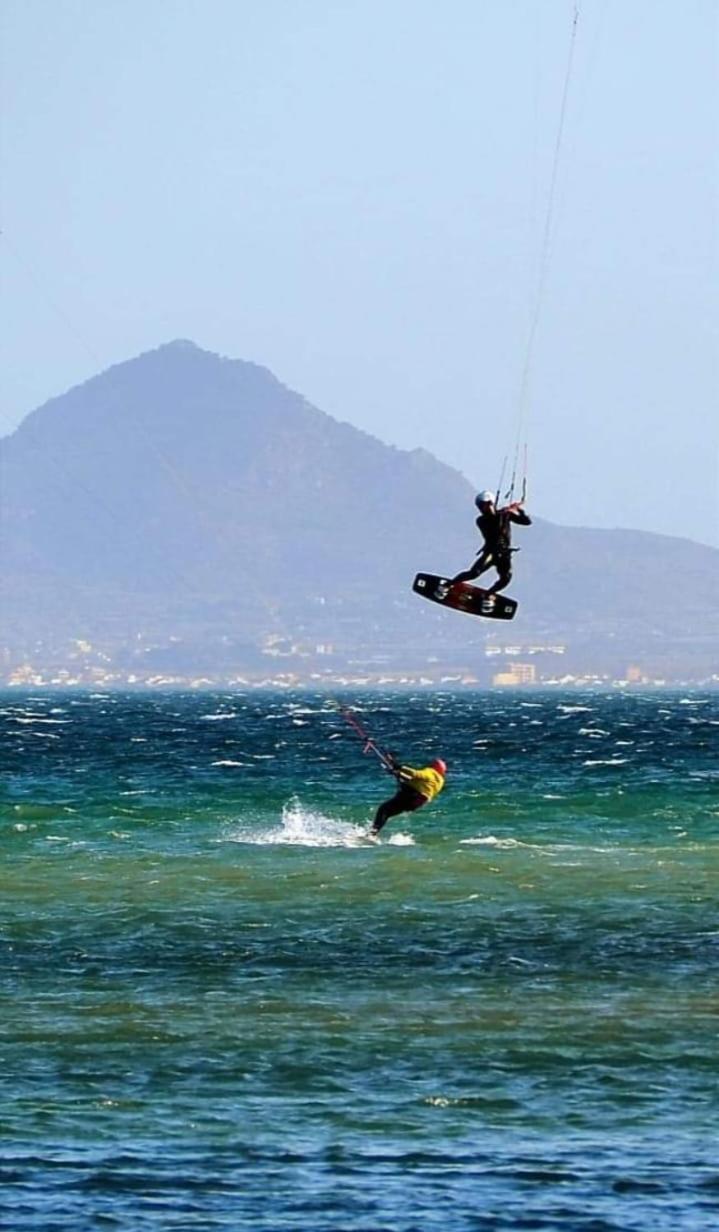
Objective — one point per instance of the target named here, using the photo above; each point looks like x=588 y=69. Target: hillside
x=198 y=503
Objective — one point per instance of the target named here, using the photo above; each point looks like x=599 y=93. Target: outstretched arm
x=395 y=767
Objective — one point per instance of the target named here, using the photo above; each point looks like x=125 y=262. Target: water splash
x=304 y=827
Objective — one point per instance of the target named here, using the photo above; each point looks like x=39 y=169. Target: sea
x=224 y=1007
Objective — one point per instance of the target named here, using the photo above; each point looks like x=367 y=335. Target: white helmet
x=483 y=499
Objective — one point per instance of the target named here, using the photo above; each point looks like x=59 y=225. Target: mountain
x=194 y=507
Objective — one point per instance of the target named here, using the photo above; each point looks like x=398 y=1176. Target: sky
x=358 y=195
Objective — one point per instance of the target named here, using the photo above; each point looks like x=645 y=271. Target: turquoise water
x=222 y=1007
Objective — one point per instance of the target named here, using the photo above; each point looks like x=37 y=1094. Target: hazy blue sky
x=353 y=193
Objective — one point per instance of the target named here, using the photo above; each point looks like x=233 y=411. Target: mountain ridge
x=195 y=497
x=419 y=452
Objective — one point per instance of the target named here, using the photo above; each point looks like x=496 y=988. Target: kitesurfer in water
x=416 y=788
x=495 y=527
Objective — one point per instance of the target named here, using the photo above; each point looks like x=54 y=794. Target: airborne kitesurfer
x=416 y=788
x=495 y=526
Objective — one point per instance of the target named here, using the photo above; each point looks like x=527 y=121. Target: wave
x=491 y=840
x=605 y=761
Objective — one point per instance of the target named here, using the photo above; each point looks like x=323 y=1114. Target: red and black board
x=463 y=597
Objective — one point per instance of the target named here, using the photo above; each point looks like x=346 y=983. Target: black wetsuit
x=495 y=527
x=405 y=800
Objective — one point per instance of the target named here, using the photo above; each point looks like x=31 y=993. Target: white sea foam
x=605 y=761
x=215 y=718
x=227 y=761
x=491 y=840
x=303 y=827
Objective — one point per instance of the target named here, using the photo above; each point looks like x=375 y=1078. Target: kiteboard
x=463 y=597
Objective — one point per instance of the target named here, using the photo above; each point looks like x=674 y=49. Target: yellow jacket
x=427 y=782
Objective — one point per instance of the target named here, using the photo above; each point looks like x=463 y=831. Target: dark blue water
x=223 y=1007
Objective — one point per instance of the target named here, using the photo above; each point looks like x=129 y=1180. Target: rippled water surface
x=223 y=1007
